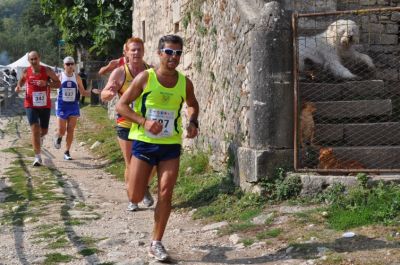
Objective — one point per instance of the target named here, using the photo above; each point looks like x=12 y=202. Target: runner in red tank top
x=37 y=101
x=113 y=64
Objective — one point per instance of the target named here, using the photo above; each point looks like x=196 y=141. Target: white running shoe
x=148 y=200
x=67 y=156
x=132 y=207
x=158 y=251
x=57 y=142
x=37 y=162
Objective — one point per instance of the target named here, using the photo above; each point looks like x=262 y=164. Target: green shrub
x=281 y=187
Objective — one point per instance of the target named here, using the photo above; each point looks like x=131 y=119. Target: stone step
x=352 y=109
x=372 y=157
x=368 y=89
x=359 y=134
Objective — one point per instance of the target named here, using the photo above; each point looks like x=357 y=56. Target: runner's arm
x=113 y=84
x=55 y=81
x=21 y=82
x=81 y=88
x=193 y=110
x=134 y=90
x=109 y=67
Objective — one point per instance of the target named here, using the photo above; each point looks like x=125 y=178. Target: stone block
x=367 y=89
x=392 y=28
x=382 y=157
x=254 y=165
x=367 y=2
x=395 y=17
x=371 y=134
x=328 y=133
x=353 y=109
x=379 y=39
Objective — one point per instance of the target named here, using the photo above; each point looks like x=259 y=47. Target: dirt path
x=72 y=212
x=86 y=221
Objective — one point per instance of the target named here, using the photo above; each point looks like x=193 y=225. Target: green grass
x=275 y=232
x=88 y=251
x=364 y=206
x=54 y=258
x=96 y=126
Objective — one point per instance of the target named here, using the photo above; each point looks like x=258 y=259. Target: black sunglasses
x=168 y=51
x=69 y=64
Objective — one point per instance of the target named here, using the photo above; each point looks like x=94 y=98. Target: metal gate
x=347 y=91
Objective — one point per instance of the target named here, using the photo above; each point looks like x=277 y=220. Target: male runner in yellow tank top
x=118 y=83
x=156 y=131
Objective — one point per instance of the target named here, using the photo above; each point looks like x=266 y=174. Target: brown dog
x=328 y=160
x=307 y=125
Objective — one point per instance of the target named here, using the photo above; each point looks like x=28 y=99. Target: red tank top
x=37 y=96
x=121 y=61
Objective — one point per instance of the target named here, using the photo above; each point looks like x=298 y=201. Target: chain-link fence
x=7 y=93
x=347 y=87
x=95 y=81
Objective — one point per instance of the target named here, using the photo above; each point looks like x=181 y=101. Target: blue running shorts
x=155 y=153
x=65 y=114
x=38 y=115
x=123 y=133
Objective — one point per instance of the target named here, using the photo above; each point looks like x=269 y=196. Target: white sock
x=38 y=156
x=155 y=242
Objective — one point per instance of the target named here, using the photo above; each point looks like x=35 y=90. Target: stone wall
x=216 y=58
x=238 y=53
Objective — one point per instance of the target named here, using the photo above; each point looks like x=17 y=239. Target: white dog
x=331 y=46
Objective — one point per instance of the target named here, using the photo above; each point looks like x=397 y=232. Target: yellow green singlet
x=163 y=104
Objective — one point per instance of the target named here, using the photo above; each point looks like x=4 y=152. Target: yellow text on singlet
x=122 y=121
x=164 y=105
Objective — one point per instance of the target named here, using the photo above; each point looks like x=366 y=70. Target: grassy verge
x=96 y=126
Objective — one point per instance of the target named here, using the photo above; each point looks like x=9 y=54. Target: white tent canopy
x=22 y=63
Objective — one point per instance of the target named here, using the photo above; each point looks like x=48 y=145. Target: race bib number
x=39 y=99
x=166 y=118
x=68 y=94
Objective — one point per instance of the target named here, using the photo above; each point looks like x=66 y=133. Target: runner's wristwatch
x=195 y=123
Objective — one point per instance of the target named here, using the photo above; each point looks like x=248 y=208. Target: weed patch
x=55 y=258
x=364 y=206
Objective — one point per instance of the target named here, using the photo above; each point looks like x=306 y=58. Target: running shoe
x=148 y=199
x=158 y=251
x=57 y=142
x=132 y=207
x=37 y=162
x=67 y=156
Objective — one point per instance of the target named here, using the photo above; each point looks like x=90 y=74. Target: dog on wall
x=331 y=47
x=307 y=124
x=328 y=160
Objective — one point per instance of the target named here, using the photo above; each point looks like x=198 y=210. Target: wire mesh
x=347 y=86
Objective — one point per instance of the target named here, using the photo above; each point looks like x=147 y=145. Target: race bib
x=39 y=99
x=68 y=94
x=166 y=118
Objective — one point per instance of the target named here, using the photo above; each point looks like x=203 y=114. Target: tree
x=24 y=28
x=100 y=26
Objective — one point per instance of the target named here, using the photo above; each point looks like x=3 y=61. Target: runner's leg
x=139 y=172
x=71 y=124
x=167 y=172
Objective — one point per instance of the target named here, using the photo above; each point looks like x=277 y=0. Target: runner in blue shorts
x=156 y=131
x=67 y=105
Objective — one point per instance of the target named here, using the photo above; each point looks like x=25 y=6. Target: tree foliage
x=23 y=28
x=101 y=26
